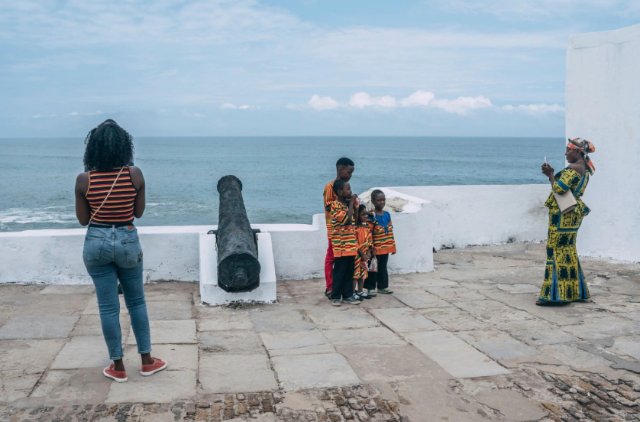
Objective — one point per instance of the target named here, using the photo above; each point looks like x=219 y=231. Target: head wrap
x=585 y=147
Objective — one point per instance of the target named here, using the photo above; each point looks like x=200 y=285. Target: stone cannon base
x=212 y=294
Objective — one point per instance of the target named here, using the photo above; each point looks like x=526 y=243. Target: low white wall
x=602 y=102
x=171 y=252
x=484 y=214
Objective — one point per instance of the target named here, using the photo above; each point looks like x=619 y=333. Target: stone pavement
x=463 y=343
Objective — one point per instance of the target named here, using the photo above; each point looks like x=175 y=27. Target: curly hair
x=108 y=146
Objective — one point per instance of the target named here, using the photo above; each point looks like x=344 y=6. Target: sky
x=292 y=67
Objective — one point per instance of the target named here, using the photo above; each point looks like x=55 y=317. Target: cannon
x=238 y=265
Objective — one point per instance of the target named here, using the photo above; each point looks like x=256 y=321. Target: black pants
x=378 y=279
x=342 y=277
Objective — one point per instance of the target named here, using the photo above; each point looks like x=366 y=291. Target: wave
x=47 y=215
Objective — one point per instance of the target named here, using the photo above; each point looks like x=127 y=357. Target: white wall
x=484 y=214
x=603 y=105
x=172 y=252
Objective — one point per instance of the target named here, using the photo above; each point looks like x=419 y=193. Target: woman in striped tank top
x=109 y=194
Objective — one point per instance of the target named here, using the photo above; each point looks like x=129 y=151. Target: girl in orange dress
x=364 y=238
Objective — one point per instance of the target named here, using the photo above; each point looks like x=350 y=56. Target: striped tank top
x=118 y=207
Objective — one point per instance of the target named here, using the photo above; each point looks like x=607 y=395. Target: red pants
x=328 y=267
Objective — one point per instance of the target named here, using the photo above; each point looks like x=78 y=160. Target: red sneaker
x=150 y=369
x=117 y=376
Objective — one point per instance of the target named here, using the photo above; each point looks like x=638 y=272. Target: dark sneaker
x=384 y=291
x=336 y=302
x=353 y=300
x=371 y=293
x=363 y=295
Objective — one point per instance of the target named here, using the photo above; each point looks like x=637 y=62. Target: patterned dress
x=563 y=277
x=365 y=242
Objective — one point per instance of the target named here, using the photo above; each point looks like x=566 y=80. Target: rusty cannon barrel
x=238 y=266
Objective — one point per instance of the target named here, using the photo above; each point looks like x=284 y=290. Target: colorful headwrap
x=585 y=147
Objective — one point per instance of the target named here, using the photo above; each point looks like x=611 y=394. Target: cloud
x=534 y=108
x=231 y=106
x=88 y=113
x=462 y=105
x=318 y=102
x=535 y=9
x=418 y=98
x=362 y=100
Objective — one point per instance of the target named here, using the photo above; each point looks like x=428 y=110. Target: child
x=383 y=244
x=365 y=252
x=344 y=170
x=343 y=244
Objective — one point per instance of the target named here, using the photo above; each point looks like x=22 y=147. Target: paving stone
x=280 y=318
x=37 y=327
x=65 y=289
x=519 y=288
x=91 y=307
x=453 y=319
x=175 y=332
x=296 y=343
x=536 y=332
x=419 y=299
x=493 y=312
x=224 y=373
x=162 y=387
x=404 y=320
x=179 y=357
x=296 y=372
x=629 y=346
x=600 y=327
x=562 y=315
x=513 y=405
x=580 y=360
x=82 y=352
x=454 y=355
x=429 y=399
x=89 y=325
x=327 y=317
x=498 y=345
x=81 y=386
x=29 y=357
x=456 y=294
x=16 y=385
x=231 y=342
x=374 y=336
x=222 y=319
x=390 y=363
x=169 y=310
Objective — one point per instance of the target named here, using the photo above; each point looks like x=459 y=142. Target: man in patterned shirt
x=344 y=170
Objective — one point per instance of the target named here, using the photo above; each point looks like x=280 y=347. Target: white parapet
x=172 y=252
x=212 y=294
x=603 y=105
x=483 y=214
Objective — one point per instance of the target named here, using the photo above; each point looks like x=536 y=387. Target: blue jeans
x=112 y=254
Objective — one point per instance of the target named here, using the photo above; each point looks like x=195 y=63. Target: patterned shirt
x=343 y=231
x=383 y=239
x=328 y=196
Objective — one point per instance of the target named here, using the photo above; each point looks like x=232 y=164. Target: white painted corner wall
x=603 y=105
x=455 y=216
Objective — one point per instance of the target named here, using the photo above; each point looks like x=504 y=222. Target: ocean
x=283 y=177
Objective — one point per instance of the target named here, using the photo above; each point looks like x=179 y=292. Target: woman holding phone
x=563 y=277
